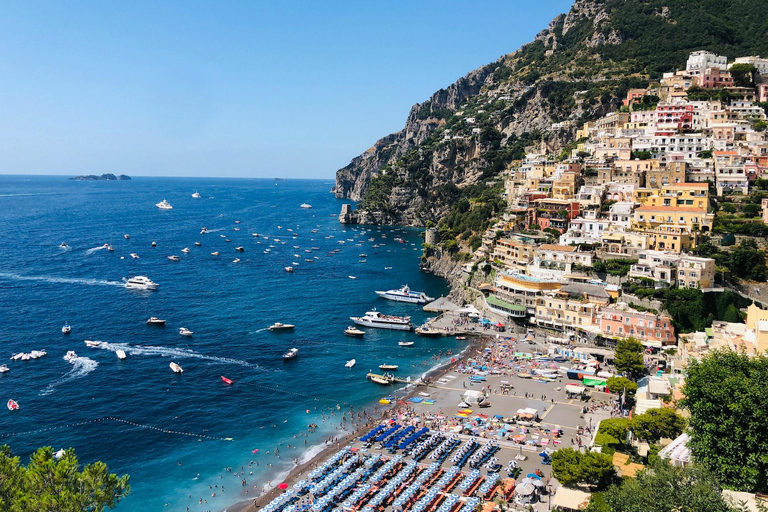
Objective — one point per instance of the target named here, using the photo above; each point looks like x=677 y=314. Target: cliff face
x=577 y=69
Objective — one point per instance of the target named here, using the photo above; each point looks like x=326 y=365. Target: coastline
x=476 y=343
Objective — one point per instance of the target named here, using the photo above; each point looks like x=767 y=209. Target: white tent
x=570 y=499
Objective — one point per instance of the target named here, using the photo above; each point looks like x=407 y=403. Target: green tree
x=628 y=358
x=665 y=488
x=728 y=207
x=654 y=424
x=615 y=427
x=743 y=74
x=571 y=467
x=621 y=384
x=751 y=210
x=725 y=394
x=50 y=484
x=748 y=262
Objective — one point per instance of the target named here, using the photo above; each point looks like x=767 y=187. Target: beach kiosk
x=574 y=391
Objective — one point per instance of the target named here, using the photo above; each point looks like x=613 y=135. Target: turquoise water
x=227 y=305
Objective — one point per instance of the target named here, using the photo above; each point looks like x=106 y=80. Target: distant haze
x=240 y=88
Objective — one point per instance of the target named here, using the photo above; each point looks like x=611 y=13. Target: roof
x=677 y=451
x=658 y=387
x=669 y=209
x=570 y=499
x=495 y=301
x=582 y=288
x=556 y=247
x=441 y=304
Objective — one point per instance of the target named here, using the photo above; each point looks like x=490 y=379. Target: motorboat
x=352 y=277
x=354 y=331
x=37 y=354
x=226 y=380
x=404 y=343
x=70 y=356
x=16 y=357
x=289 y=269
x=388 y=367
x=185 y=332
x=377 y=319
x=196 y=195
x=120 y=354
x=164 y=205
x=140 y=283
x=25 y=357
x=127 y=236
x=239 y=249
x=185 y=250
x=461 y=338
x=405 y=294
x=66 y=329
x=63 y=245
x=110 y=248
x=134 y=256
x=363 y=255
x=174 y=258
x=277 y=326
x=153 y=320
x=4 y=368
x=198 y=244
x=203 y=231
x=291 y=354
x=176 y=368
x=13 y=405
x=428 y=332
x=90 y=343
x=306 y=206
x=215 y=253
x=154 y=244
x=350 y=363
x=236 y=260
x=383 y=380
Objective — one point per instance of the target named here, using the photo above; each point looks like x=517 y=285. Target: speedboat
x=428 y=332
x=461 y=338
x=404 y=343
x=198 y=244
x=90 y=343
x=185 y=250
x=203 y=231
x=153 y=320
x=236 y=260
x=25 y=357
x=176 y=368
x=277 y=326
x=196 y=195
x=126 y=236
x=376 y=319
x=350 y=363
x=140 y=283
x=215 y=253
x=120 y=354
x=110 y=248
x=388 y=367
x=185 y=332
x=70 y=356
x=289 y=269
x=13 y=405
x=4 y=368
x=164 y=205
x=134 y=256
x=16 y=357
x=354 y=331
x=154 y=244
x=306 y=206
x=405 y=294
x=66 y=329
x=239 y=249
x=174 y=258
x=291 y=354
x=63 y=245
x=226 y=380
x=380 y=380
x=37 y=354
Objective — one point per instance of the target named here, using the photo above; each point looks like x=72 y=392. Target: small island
x=103 y=177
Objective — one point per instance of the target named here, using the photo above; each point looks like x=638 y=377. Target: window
x=607 y=328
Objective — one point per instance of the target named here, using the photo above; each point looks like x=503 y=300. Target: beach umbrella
x=283 y=486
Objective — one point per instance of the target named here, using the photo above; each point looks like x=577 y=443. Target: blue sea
x=169 y=431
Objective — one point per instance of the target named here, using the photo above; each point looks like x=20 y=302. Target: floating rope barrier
x=118 y=420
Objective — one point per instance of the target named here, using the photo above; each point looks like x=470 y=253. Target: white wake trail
x=60 y=280
x=81 y=366
x=179 y=353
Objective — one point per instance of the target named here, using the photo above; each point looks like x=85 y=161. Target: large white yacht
x=164 y=205
x=376 y=319
x=405 y=294
x=140 y=283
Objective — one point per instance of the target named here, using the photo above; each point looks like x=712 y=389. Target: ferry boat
x=291 y=354
x=164 y=205
x=405 y=294
x=376 y=319
x=140 y=283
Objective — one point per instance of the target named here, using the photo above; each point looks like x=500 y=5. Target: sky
x=232 y=88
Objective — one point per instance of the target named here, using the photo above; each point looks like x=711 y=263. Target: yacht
x=350 y=363
x=66 y=329
x=376 y=319
x=155 y=321
x=196 y=195
x=176 y=368
x=291 y=354
x=140 y=283
x=354 y=332
x=306 y=206
x=185 y=332
x=71 y=356
x=164 y=205
x=277 y=326
x=405 y=294
x=174 y=258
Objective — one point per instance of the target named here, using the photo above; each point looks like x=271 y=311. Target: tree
x=615 y=427
x=571 y=467
x=743 y=75
x=628 y=358
x=665 y=488
x=725 y=394
x=751 y=210
x=748 y=262
x=47 y=483
x=622 y=384
x=654 y=424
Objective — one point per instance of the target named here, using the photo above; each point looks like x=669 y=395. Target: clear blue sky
x=232 y=88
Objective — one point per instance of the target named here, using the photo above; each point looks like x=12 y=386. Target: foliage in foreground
x=628 y=358
x=571 y=467
x=47 y=484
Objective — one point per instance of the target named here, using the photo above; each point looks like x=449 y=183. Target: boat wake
x=60 y=280
x=93 y=250
x=176 y=353
x=81 y=366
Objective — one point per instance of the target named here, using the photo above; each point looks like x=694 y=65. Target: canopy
x=570 y=499
x=593 y=381
x=573 y=389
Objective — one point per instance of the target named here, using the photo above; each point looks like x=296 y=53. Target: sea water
x=169 y=431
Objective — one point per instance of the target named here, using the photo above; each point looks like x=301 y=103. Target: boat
x=155 y=321
x=428 y=332
x=120 y=354
x=349 y=364
x=63 y=245
x=90 y=343
x=140 y=283
x=4 y=368
x=354 y=331
x=215 y=253
x=352 y=277
x=291 y=354
x=239 y=249
x=289 y=269
x=134 y=256
x=203 y=231
x=37 y=354
x=16 y=357
x=110 y=248
x=127 y=236
x=164 y=205
x=185 y=332
x=154 y=244
x=226 y=380
x=277 y=326
x=25 y=357
x=176 y=368
x=405 y=294
x=13 y=405
x=196 y=195
x=66 y=329
x=460 y=338
x=384 y=380
x=404 y=343
x=363 y=255
x=198 y=244
x=306 y=206
x=236 y=260
x=70 y=356
x=376 y=319
x=390 y=367
x=174 y=258
x=185 y=250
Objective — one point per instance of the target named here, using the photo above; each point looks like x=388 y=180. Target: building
x=714 y=78
x=621 y=321
x=759 y=63
x=701 y=60
x=513 y=253
x=552 y=213
x=675 y=269
x=690 y=217
x=522 y=290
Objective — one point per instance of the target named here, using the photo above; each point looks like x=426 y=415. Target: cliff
x=455 y=145
x=103 y=177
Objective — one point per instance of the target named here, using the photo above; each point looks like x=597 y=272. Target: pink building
x=620 y=320
x=714 y=78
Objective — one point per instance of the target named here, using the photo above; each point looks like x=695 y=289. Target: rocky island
x=103 y=177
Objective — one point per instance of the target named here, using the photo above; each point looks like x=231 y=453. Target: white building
x=700 y=60
x=759 y=63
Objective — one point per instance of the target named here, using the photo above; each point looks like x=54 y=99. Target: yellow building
x=688 y=195
x=523 y=290
x=652 y=218
x=513 y=253
x=560 y=311
x=757 y=320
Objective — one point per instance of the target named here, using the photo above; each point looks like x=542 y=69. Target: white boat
x=277 y=326
x=4 y=368
x=198 y=244
x=215 y=253
x=90 y=343
x=120 y=354
x=66 y=329
x=352 y=277
x=196 y=195
x=185 y=250
x=405 y=294
x=404 y=343
x=63 y=245
x=306 y=206
x=127 y=236
x=70 y=356
x=37 y=354
x=185 y=332
x=289 y=269
x=174 y=258
x=350 y=363
x=380 y=380
x=239 y=249
x=154 y=244
x=164 y=205
x=389 y=367
x=354 y=331
x=140 y=283
x=236 y=260
x=291 y=354
x=153 y=320
x=429 y=332
x=13 y=405
x=16 y=357
x=176 y=368
x=134 y=256
x=109 y=248
x=376 y=319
